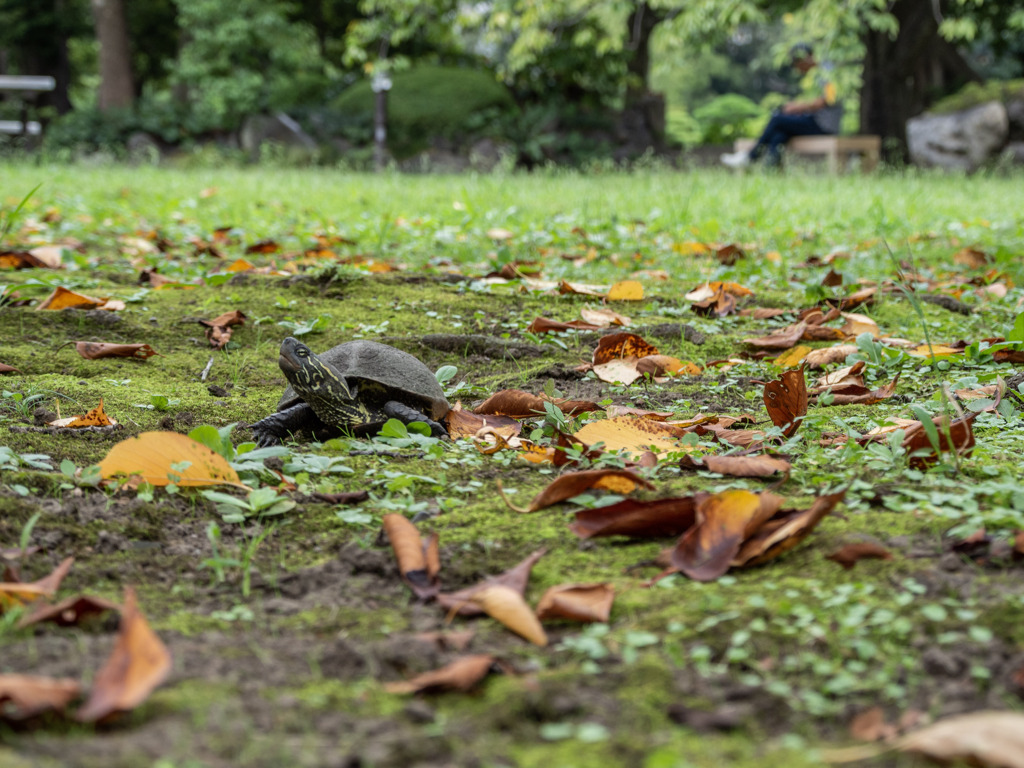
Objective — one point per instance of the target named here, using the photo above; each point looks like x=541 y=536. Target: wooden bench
x=28 y=87
x=836 y=149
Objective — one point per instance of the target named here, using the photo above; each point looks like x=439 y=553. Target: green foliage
x=973 y=94
x=428 y=101
x=726 y=117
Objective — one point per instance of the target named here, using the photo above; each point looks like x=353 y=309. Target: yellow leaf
x=791 y=358
x=151 y=455
x=628 y=433
x=627 y=290
x=507 y=606
x=935 y=350
x=240 y=265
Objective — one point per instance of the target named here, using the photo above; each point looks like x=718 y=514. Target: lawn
x=286 y=629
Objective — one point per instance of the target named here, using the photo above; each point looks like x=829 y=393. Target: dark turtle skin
x=351 y=388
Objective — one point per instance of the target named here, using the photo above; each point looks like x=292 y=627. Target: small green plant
x=9 y=218
x=21 y=403
x=160 y=403
x=318 y=324
x=219 y=563
x=260 y=503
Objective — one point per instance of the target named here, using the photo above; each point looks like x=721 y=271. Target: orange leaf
x=240 y=265
x=4 y=368
x=417 y=564
x=263 y=247
x=785 y=531
x=740 y=466
x=97 y=417
x=724 y=521
x=518 y=404
x=604 y=318
x=547 y=325
x=462 y=423
x=729 y=254
x=515 y=578
x=618 y=345
x=848 y=555
x=506 y=605
x=69 y=612
x=960 y=430
x=138 y=664
x=783 y=339
x=819 y=358
x=792 y=358
x=786 y=400
x=627 y=290
x=574 y=483
x=25 y=696
x=158 y=458
x=18 y=593
x=461 y=675
x=631 y=434
x=93 y=350
x=62 y=298
x=578 y=602
x=662 y=365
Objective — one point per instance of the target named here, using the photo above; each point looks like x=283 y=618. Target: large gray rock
x=959 y=141
x=1015 y=111
x=278 y=128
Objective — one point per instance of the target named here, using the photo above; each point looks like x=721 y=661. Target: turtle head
x=315 y=381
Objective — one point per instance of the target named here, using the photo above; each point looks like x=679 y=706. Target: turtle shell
x=383 y=372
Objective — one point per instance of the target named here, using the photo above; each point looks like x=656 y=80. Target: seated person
x=812 y=117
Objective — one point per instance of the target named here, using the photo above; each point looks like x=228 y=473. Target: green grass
x=802 y=632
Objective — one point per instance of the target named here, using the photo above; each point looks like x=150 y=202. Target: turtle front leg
x=405 y=413
x=277 y=426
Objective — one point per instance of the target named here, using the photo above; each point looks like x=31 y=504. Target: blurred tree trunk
x=905 y=74
x=116 y=82
x=643 y=112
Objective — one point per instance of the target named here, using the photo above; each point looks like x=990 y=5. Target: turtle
x=354 y=387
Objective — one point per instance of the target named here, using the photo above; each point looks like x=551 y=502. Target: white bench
x=836 y=149
x=29 y=86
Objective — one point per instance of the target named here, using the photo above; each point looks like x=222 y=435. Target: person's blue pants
x=780 y=129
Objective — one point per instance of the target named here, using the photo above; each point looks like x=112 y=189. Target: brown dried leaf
x=989 y=739
x=972 y=258
x=506 y=605
x=604 y=318
x=857 y=324
x=517 y=404
x=644 y=519
x=4 y=368
x=960 y=430
x=848 y=554
x=723 y=522
x=870 y=725
x=69 y=612
x=547 y=325
x=62 y=298
x=150 y=456
x=819 y=358
x=615 y=346
x=25 y=696
x=729 y=254
x=21 y=260
x=786 y=400
x=740 y=466
x=578 y=602
x=783 y=339
x=411 y=552
x=665 y=365
x=785 y=531
x=619 y=371
x=721 y=304
x=461 y=675
x=265 y=247
x=463 y=423
x=218 y=330
x=18 y=593
x=516 y=578
x=94 y=350
x=574 y=483
x=138 y=664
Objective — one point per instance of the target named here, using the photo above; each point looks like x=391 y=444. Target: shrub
x=726 y=117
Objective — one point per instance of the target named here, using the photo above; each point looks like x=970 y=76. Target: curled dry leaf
x=960 y=439
x=13 y=594
x=547 y=325
x=418 y=561
x=4 y=368
x=740 y=466
x=664 y=365
x=791 y=358
x=21 y=260
x=69 y=612
x=94 y=350
x=463 y=423
x=783 y=532
x=604 y=318
x=578 y=602
x=517 y=404
x=630 y=434
x=991 y=739
x=138 y=664
x=218 y=330
x=854 y=395
x=506 y=605
x=642 y=519
x=782 y=339
x=848 y=554
x=515 y=578
x=574 y=483
x=626 y=290
x=615 y=346
x=626 y=410
x=461 y=675
x=723 y=522
x=62 y=298
x=581 y=289
x=160 y=458
x=721 y=304
x=25 y=696
x=786 y=400
x=819 y=358
x=706 y=291
x=857 y=324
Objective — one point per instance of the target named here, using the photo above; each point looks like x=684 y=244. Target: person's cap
x=800 y=51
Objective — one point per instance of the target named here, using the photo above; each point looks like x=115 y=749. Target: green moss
x=975 y=94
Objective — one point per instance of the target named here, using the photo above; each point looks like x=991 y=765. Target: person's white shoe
x=735 y=159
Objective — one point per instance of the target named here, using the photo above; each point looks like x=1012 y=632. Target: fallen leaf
x=461 y=675
x=972 y=258
x=991 y=739
x=604 y=318
x=517 y=404
x=729 y=254
x=138 y=664
x=506 y=605
x=723 y=522
x=413 y=556
x=819 y=358
x=21 y=260
x=97 y=417
x=515 y=578
x=62 y=298
x=662 y=365
x=69 y=612
x=857 y=324
x=870 y=725
x=630 y=434
x=721 y=304
x=218 y=330
x=615 y=346
x=462 y=423
x=578 y=288
x=94 y=350
x=160 y=458
x=786 y=400
x=620 y=371
x=646 y=519
x=740 y=466
x=4 y=368
x=578 y=602
x=547 y=325
x=848 y=554
x=782 y=339
x=791 y=358
x=626 y=290
x=934 y=351
x=264 y=247
x=25 y=696
x=919 y=446
x=613 y=411
x=498 y=233
x=574 y=483
x=787 y=529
